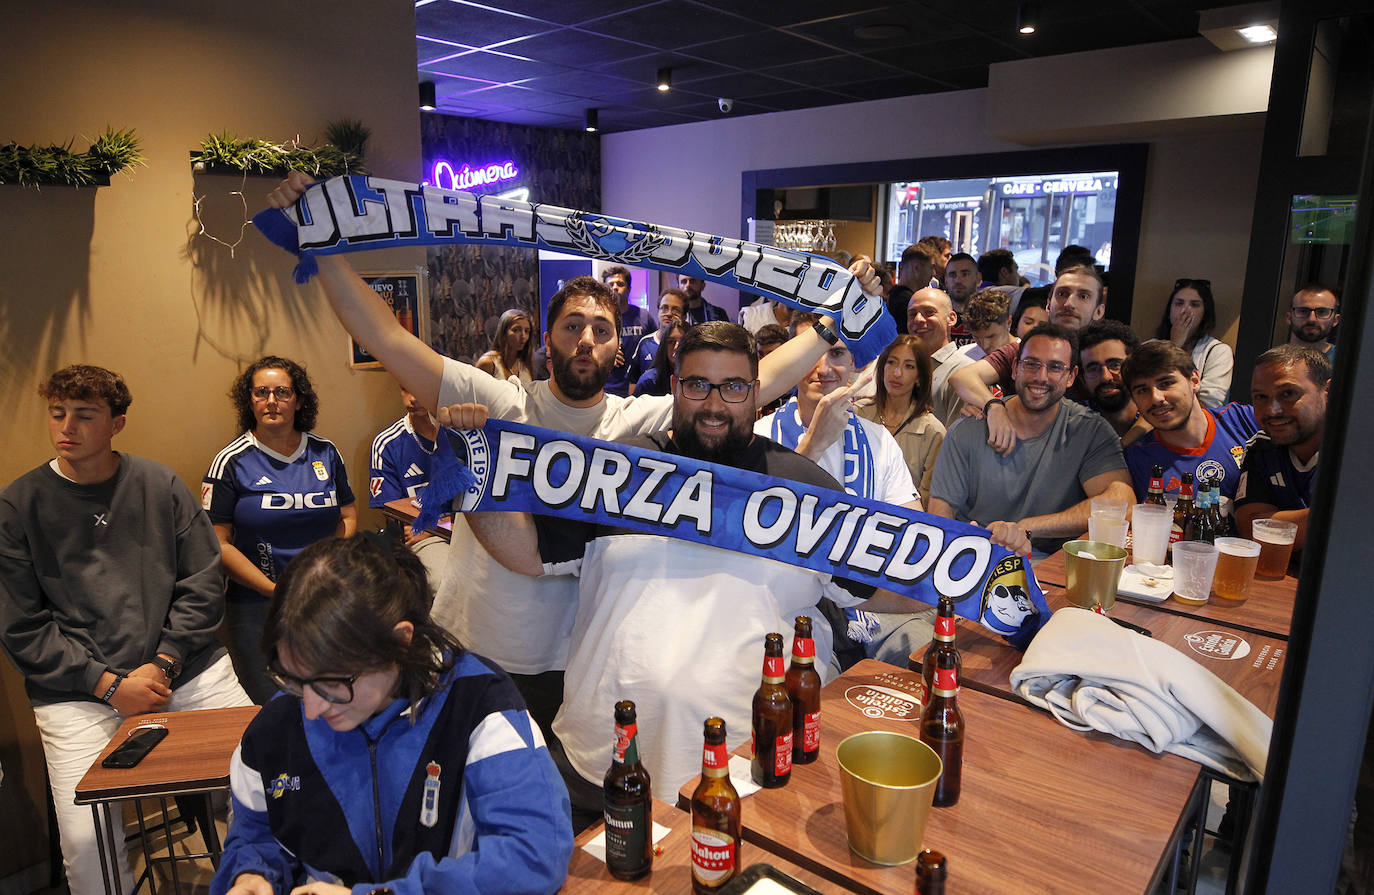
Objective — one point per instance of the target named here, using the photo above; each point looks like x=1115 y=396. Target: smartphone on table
x=130 y=752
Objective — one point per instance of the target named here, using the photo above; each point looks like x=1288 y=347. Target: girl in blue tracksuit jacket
x=394 y=761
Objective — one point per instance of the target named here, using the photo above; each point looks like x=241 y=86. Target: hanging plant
x=112 y=152
x=341 y=153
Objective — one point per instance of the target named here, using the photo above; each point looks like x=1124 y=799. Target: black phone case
x=132 y=750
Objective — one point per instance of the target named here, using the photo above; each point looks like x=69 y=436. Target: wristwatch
x=829 y=335
x=170 y=667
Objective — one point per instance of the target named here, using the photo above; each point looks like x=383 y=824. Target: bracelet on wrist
x=109 y=694
x=991 y=401
x=829 y=335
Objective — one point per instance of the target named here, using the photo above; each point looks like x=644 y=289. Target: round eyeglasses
x=338 y=690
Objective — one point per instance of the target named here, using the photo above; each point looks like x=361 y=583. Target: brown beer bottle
x=1219 y=521
x=1156 y=492
x=804 y=689
x=716 y=839
x=629 y=806
x=771 y=730
x=1200 y=523
x=943 y=640
x=1183 y=511
x=942 y=729
x=931 y=871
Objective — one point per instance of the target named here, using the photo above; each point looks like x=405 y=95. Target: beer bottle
x=628 y=803
x=771 y=731
x=942 y=728
x=716 y=839
x=1156 y=492
x=1200 y=523
x=1220 y=524
x=943 y=640
x=931 y=870
x=804 y=689
x=1183 y=510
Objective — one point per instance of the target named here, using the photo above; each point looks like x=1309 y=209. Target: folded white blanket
x=1092 y=674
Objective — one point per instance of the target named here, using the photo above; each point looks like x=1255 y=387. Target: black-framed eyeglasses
x=1034 y=365
x=1319 y=313
x=732 y=391
x=281 y=393
x=338 y=690
x=1112 y=364
x=1186 y=282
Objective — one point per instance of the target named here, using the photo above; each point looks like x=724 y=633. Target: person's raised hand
x=289 y=190
x=463 y=416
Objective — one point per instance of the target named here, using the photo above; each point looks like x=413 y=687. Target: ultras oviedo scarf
x=509 y=466
x=356 y=212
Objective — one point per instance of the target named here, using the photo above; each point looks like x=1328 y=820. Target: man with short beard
x=699 y=310
x=634 y=324
x=1315 y=311
x=673 y=625
x=1289 y=390
x=1038 y=497
x=1102 y=349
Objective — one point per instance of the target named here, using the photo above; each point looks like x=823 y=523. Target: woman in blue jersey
x=270 y=493
x=396 y=761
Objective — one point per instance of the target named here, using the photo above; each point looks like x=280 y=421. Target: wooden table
x=1043 y=808
x=1268 y=611
x=1250 y=663
x=672 y=871
x=403 y=511
x=192 y=759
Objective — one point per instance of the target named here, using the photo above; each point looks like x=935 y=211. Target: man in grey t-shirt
x=1064 y=455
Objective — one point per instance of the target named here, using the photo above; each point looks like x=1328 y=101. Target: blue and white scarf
x=356 y=212
x=515 y=467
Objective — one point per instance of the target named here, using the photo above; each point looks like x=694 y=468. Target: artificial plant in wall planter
x=55 y=165
x=341 y=153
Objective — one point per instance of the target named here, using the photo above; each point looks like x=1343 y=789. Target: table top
x=672 y=870
x=1104 y=810
x=1268 y=611
x=193 y=757
x=1250 y=663
x=404 y=510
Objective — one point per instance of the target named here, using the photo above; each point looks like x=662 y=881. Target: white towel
x=1092 y=674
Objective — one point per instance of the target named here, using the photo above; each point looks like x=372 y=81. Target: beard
x=1110 y=398
x=1311 y=334
x=574 y=385
x=725 y=449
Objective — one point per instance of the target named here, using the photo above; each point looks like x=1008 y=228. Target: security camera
x=726 y=105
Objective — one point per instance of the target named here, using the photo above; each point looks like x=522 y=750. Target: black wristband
x=829 y=335
x=109 y=694
x=991 y=401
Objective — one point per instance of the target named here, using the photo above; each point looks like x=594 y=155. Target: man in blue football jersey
x=1289 y=389
x=1187 y=437
x=401 y=454
x=634 y=325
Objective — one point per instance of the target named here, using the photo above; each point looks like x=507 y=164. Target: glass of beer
x=1276 y=546
x=1194 y=565
x=1236 y=561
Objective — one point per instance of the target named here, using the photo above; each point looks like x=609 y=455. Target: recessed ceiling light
x=427 y=98
x=665 y=80
x=589 y=123
x=1258 y=34
x=1027 y=18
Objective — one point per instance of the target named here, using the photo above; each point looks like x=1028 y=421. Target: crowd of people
x=460 y=692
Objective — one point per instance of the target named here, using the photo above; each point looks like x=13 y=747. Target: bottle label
x=946 y=680
x=773 y=671
x=713 y=856
x=782 y=758
x=804 y=648
x=1175 y=534
x=1156 y=485
x=715 y=761
x=627 y=827
x=624 y=741
x=811 y=732
x=944 y=627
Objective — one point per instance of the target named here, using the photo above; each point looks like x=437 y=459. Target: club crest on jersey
x=282 y=783
x=320 y=472
x=429 y=802
x=1238 y=454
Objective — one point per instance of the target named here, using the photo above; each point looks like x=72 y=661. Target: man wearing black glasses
x=1039 y=496
x=1315 y=312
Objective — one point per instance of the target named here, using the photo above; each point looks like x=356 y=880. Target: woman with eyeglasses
x=513 y=353
x=903 y=405
x=1188 y=320
x=394 y=761
x=270 y=493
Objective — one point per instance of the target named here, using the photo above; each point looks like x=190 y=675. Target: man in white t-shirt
x=524 y=624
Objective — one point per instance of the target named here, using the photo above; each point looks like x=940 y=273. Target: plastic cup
x=1109 y=506
x=1194 y=564
x=1150 y=526
x=887 y=781
x=1106 y=528
x=1276 y=546
x=1093 y=569
x=1236 y=562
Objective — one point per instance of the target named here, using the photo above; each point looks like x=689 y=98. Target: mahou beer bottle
x=628 y=803
x=942 y=728
x=943 y=640
x=1156 y=493
x=1183 y=510
x=931 y=872
x=771 y=730
x=715 y=816
x=804 y=689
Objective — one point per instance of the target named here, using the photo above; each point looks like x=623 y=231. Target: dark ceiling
x=545 y=62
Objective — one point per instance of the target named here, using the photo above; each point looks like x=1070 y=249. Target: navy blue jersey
x=278 y=505
x=1220 y=454
x=399 y=464
x=1271 y=476
x=633 y=325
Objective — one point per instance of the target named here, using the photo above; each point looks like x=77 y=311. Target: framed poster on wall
x=406 y=293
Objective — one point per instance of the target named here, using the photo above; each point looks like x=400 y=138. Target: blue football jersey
x=278 y=505
x=633 y=325
x=1272 y=476
x=1220 y=455
x=400 y=463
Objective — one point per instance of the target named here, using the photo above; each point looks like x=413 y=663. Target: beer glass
x=1150 y=524
x=1276 y=546
x=1236 y=561
x=1194 y=564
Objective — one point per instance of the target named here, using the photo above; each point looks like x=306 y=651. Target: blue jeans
x=245 y=620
